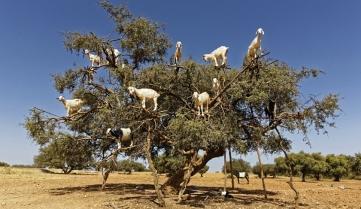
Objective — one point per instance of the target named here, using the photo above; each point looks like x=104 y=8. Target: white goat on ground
x=178 y=52
x=254 y=48
x=216 y=86
x=122 y=135
x=115 y=52
x=71 y=105
x=200 y=100
x=218 y=54
x=94 y=59
x=145 y=94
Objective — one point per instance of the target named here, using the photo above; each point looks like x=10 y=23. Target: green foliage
x=3 y=164
x=144 y=41
x=338 y=166
x=268 y=170
x=23 y=166
x=237 y=118
x=320 y=166
x=168 y=164
x=66 y=153
x=281 y=167
x=238 y=165
x=129 y=166
x=303 y=163
x=356 y=164
x=203 y=170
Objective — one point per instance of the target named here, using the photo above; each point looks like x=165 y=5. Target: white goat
x=71 y=105
x=216 y=85
x=254 y=48
x=122 y=135
x=115 y=52
x=178 y=52
x=94 y=59
x=200 y=100
x=145 y=94
x=218 y=54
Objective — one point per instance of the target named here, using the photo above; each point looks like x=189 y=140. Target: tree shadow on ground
x=196 y=196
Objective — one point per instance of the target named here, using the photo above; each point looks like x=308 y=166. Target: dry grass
x=33 y=189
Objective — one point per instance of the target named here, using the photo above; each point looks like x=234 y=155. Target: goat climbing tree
x=239 y=116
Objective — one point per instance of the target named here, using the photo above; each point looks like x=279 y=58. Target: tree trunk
x=337 y=178
x=317 y=176
x=67 y=170
x=261 y=171
x=173 y=183
x=290 y=169
x=154 y=170
x=230 y=165
x=290 y=182
x=303 y=177
x=187 y=177
x=225 y=171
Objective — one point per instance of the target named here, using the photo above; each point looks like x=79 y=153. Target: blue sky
x=322 y=34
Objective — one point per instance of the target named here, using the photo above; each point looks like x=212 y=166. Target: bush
x=3 y=164
x=268 y=170
x=23 y=166
x=238 y=166
x=168 y=164
x=129 y=166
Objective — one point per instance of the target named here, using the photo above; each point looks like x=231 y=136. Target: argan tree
x=319 y=166
x=255 y=105
x=66 y=154
x=338 y=166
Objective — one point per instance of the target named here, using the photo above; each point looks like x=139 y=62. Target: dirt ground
x=33 y=189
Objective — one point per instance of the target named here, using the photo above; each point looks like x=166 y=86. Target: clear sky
x=323 y=34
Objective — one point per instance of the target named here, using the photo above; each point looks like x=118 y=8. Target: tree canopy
x=66 y=154
x=239 y=114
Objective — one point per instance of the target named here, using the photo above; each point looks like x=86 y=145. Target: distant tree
x=304 y=163
x=203 y=170
x=3 y=164
x=268 y=170
x=281 y=167
x=238 y=165
x=23 y=166
x=337 y=166
x=66 y=154
x=168 y=164
x=319 y=166
x=129 y=166
x=356 y=164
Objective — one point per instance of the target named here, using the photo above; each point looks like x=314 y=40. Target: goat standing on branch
x=144 y=94
x=200 y=100
x=254 y=49
x=71 y=105
x=178 y=52
x=219 y=54
x=216 y=86
x=122 y=135
x=94 y=59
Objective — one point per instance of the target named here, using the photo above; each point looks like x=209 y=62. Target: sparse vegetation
x=3 y=164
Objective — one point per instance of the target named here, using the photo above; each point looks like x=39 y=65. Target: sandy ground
x=32 y=189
